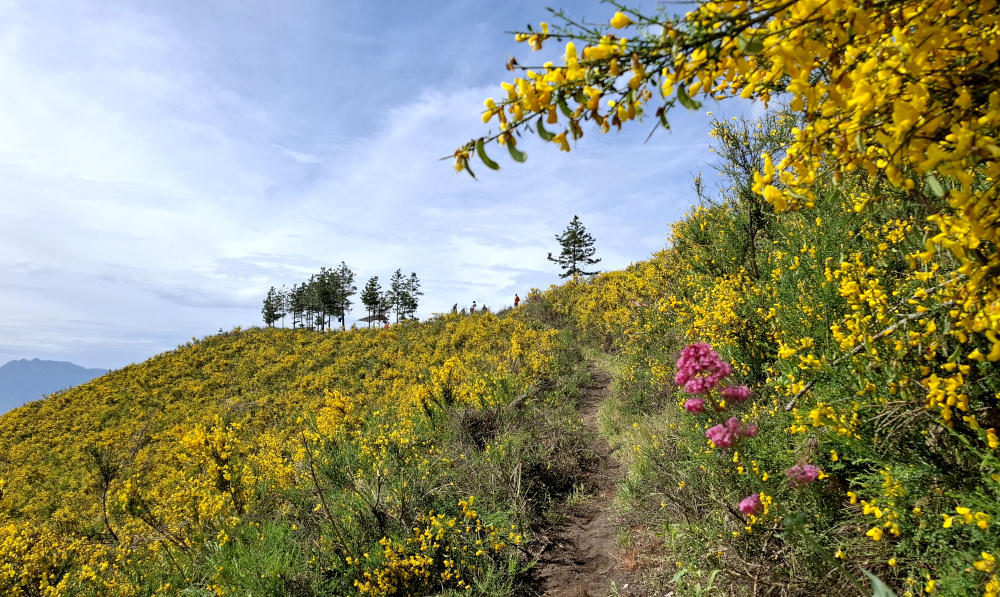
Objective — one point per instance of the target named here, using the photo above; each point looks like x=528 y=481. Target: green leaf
x=711 y=578
x=879 y=589
x=482 y=155
x=794 y=520
x=935 y=185
x=564 y=108
x=686 y=101
x=663 y=120
x=469 y=170
x=860 y=143
x=515 y=153
x=544 y=134
x=749 y=46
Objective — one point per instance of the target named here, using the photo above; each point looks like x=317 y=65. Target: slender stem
x=823 y=553
x=322 y=498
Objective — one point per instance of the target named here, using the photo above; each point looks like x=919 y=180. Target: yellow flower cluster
x=966 y=516
x=897 y=91
x=434 y=555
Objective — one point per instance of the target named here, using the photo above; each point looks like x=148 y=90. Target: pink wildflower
x=801 y=475
x=695 y=405
x=736 y=393
x=699 y=369
x=725 y=434
x=720 y=436
x=751 y=505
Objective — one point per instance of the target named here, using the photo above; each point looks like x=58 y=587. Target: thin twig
x=322 y=498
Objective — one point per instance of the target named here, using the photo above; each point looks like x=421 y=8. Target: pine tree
x=272 y=310
x=396 y=295
x=402 y=295
x=412 y=287
x=313 y=306
x=326 y=291
x=338 y=289
x=373 y=299
x=577 y=250
x=296 y=304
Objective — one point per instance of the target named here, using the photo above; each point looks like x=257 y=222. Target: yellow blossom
x=620 y=21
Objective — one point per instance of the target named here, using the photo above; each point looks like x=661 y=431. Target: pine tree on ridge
x=577 y=250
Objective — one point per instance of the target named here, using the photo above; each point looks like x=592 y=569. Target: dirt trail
x=581 y=557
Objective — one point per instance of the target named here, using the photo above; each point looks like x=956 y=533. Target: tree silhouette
x=577 y=250
x=412 y=291
x=335 y=287
x=374 y=299
x=317 y=303
x=273 y=307
x=403 y=293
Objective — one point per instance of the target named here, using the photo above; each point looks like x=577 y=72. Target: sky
x=162 y=164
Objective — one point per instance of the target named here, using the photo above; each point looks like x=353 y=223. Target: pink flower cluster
x=751 y=505
x=736 y=393
x=801 y=475
x=695 y=405
x=724 y=435
x=699 y=369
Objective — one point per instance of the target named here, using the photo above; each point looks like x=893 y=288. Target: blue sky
x=162 y=164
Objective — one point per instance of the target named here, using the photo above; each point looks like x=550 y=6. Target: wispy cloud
x=298 y=156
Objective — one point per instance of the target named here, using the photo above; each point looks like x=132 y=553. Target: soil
x=581 y=556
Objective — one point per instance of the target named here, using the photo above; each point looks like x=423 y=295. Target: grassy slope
x=330 y=442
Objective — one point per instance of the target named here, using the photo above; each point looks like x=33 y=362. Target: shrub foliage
x=847 y=269
x=291 y=462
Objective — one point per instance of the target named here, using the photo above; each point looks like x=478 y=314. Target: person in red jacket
x=517 y=300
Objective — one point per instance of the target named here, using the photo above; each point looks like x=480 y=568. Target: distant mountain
x=22 y=381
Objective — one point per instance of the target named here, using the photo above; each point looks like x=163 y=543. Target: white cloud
x=301 y=158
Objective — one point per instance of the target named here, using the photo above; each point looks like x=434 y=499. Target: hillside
x=785 y=432
x=815 y=416
x=25 y=380
x=306 y=449
x=802 y=415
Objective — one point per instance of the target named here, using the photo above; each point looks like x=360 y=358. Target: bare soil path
x=581 y=557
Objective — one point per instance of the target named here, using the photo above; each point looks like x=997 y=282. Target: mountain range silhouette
x=24 y=380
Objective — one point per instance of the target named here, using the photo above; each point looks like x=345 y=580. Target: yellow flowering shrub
x=899 y=91
x=852 y=345
x=262 y=451
x=440 y=550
